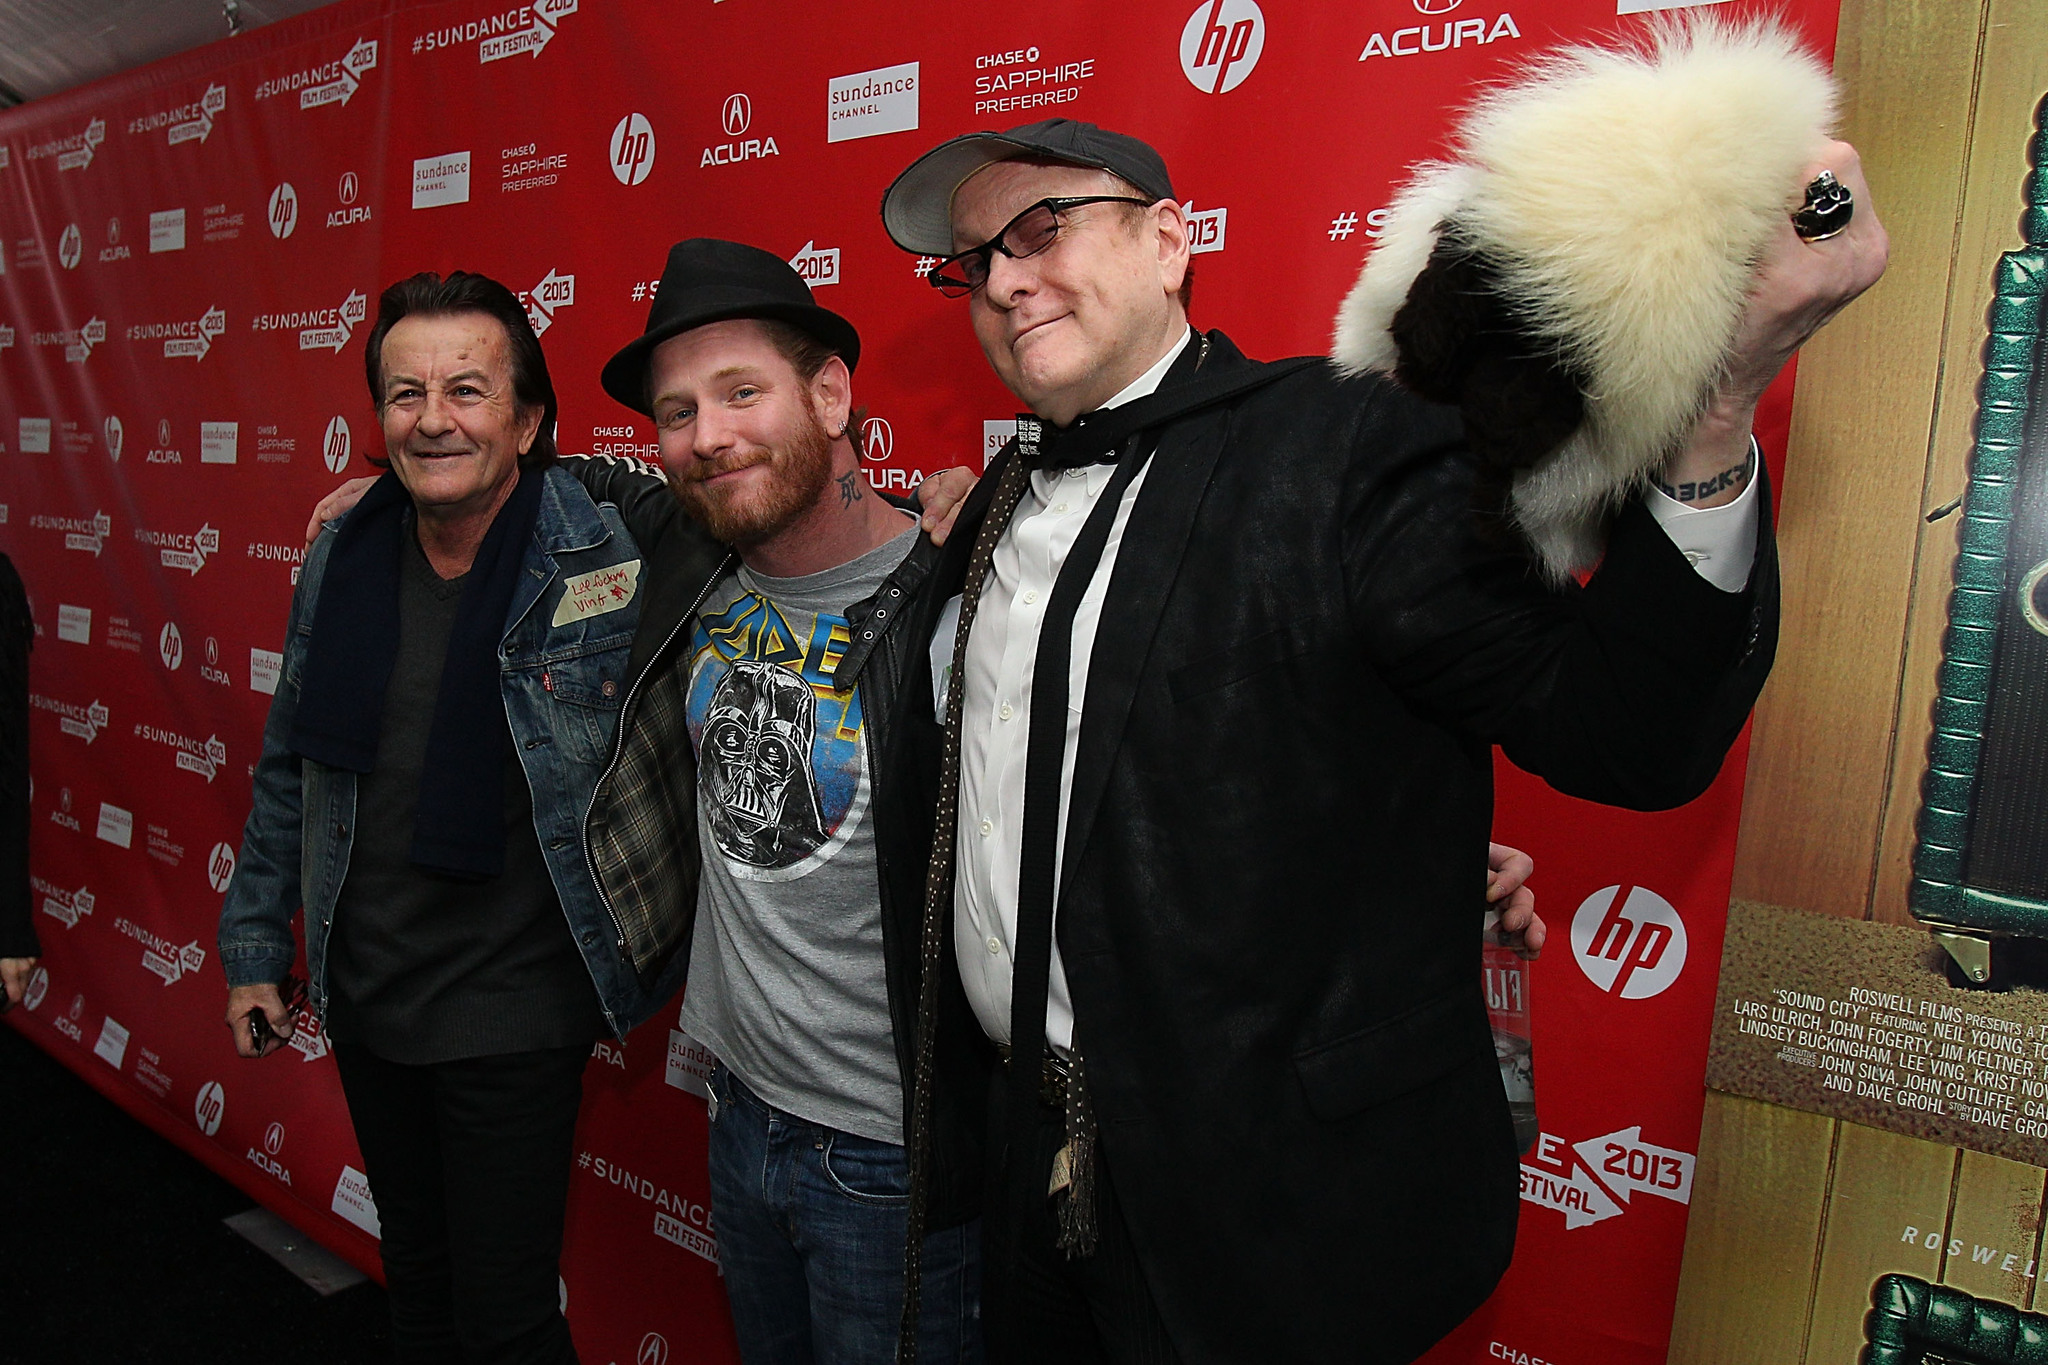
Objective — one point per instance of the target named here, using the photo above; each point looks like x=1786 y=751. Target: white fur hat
x=1617 y=200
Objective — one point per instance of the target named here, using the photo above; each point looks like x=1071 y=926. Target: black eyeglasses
x=1029 y=233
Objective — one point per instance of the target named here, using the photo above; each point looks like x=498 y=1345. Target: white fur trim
x=1626 y=194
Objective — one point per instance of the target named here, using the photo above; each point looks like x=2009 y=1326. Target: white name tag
x=942 y=656
x=597 y=592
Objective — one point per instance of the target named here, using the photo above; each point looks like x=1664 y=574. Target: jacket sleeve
x=636 y=488
x=1628 y=690
x=255 y=937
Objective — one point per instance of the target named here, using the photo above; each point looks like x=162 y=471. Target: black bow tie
x=1041 y=445
x=1099 y=437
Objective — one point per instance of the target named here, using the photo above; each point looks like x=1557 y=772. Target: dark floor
x=112 y=1248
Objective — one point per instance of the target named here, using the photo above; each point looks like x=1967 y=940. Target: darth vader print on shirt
x=781 y=764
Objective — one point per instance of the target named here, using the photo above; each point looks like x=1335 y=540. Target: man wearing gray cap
x=1219 y=652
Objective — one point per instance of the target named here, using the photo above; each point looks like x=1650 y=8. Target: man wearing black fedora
x=739 y=803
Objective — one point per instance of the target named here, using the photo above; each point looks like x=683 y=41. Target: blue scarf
x=460 y=826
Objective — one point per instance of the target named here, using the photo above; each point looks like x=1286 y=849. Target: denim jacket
x=562 y=684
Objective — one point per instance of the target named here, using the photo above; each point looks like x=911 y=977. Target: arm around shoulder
x=636 y=488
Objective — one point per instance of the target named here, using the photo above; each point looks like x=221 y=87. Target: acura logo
x=739 y=113
x=1436 y=6
x=347 y=190
x=273 y=1138
x=653 y=1350
x=876 y=440
x=163 y=431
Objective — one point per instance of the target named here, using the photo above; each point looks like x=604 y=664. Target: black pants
x=469 y=1164
x=1036 y=1305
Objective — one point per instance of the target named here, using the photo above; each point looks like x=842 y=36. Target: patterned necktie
x=937 y=888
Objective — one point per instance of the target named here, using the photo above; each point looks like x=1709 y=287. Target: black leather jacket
x=641 y=831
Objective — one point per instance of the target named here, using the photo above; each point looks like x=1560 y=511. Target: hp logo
x=1221 y=44
x=284 y=211
x=632 y=149
x=334 y=446
x=1629 y=941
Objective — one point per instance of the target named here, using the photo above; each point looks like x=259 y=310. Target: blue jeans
x=810 y=1227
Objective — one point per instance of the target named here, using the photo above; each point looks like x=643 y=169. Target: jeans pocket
x=868 y=1171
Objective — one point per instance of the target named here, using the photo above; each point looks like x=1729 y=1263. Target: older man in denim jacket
x=454 y=662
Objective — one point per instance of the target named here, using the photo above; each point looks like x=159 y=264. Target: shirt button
x=1059 y=507
x=988 y=827
x=1006 y=712
x=1030 y=598
x=1076 y=474
x=995 y=946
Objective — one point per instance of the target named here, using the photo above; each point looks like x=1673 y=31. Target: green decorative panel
x=1981 y=860
x=1913 y=1322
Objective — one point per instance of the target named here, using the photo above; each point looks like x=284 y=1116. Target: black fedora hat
x=709 y=280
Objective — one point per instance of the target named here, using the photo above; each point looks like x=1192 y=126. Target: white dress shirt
x=1002 y=649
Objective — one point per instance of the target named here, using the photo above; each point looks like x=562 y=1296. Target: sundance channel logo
x=438 y=181
x=871 y=103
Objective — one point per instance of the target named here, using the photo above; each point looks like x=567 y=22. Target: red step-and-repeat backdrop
x=187 y=256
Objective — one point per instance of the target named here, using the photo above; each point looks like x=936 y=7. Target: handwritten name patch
x=597 y=592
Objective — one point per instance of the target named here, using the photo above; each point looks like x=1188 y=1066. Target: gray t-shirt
x=787 y=984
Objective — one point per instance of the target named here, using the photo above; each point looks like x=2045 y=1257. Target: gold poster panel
x=1859 y=1021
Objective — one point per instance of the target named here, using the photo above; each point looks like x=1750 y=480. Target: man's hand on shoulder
x=1799 y=286
x=941 y=496
x=337 y=502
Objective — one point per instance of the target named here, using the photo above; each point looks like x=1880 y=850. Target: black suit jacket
x=1276 y=849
